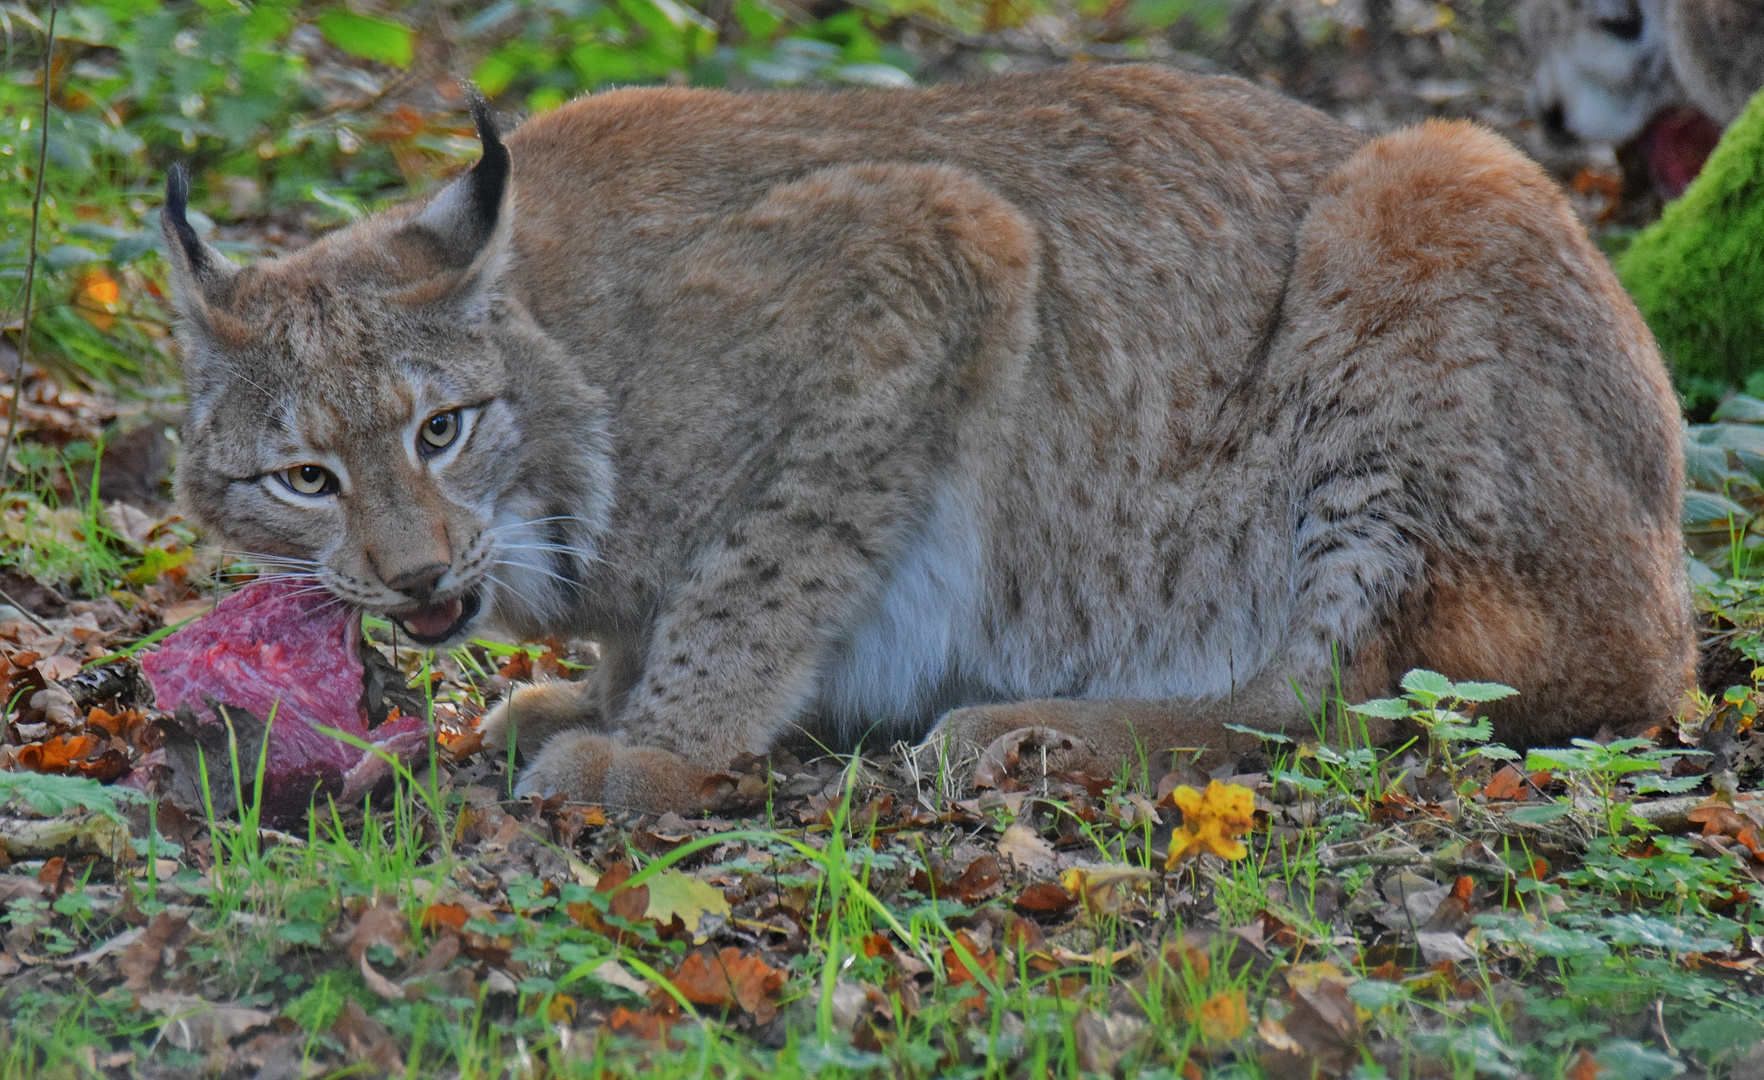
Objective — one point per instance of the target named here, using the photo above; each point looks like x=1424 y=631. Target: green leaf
x=1705 y=510
x=367 y=37
x=1669 y=784
x=699 y=904
x=1539 y=815
x=53 y=796
x=1389 y=708
x=1721 y=1032
x=1482 y=691
x=1636 y=929
x=1497 y=752
x=1746 y=410
x=1557 y=758
x=1626 y=1060
x=67 y=255
x=1375 y=995
x=1422 y=681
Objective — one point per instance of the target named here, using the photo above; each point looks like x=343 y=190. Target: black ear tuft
x=489 y=177
x=175 y=213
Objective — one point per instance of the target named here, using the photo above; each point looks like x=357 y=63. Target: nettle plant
x=1438 y=706
x=1598 y=772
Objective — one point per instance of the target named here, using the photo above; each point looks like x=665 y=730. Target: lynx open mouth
x=432 y=624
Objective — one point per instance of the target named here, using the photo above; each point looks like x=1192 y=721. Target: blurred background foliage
x=298 y=116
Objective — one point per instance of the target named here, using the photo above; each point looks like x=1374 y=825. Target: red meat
x=287 y=651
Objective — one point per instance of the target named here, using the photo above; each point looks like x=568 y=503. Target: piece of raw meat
x=287 y=649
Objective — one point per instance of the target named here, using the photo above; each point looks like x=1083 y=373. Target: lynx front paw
x=585 y=767
x=988 y=738
x=533 y=714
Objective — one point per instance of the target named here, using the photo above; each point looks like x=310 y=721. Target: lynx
x=1606 y=68
x=1113 y=401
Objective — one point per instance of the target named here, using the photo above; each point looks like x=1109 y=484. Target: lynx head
x=377 y=413
x=1602 y=67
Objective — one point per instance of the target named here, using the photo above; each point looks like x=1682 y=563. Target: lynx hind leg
x=1151 y=735
x=530 y=715
x=1470 y=367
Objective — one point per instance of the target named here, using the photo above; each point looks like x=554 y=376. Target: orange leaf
x=1224 y=1016
x=985 y=963
x=729 y=978
x=1509 y=783
x=1584 y=1067
x=449 y=915
x=58 y=755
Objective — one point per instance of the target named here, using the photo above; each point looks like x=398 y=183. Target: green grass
x=1618 y=948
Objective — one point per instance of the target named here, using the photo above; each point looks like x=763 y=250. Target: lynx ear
x=465 y=215
x=199 y=272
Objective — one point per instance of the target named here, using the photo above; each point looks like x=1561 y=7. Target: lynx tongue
x=433 y=620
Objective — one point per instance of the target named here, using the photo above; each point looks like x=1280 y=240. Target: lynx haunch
x=1116 y=400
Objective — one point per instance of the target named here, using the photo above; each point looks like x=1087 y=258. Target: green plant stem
x=30 y=279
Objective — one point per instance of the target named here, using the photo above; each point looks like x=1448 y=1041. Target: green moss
x=1698 y=273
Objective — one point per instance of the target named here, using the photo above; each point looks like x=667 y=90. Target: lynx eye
x=440 y=430
x=309 y=480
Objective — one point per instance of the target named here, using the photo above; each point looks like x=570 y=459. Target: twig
x=26 y=612
x=30 y=279
x=1456 y=866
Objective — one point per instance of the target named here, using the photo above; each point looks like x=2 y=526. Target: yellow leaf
x=699 y=904
x=1212 y=821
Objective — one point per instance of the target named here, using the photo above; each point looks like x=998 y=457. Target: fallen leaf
x=1212 y=821
x=1439 y=947
x=378 y=983
x=449 y=915
x=382 y=924
x=1508 y=783
x=57 y=668
x=975 y=963
x=1584 y=1067
x=1224 y=1016
x=728 y=977
x=612 y=973
x=699 y=906
x=1024 y=847
x=143 y=959
x=197 y=1025
x=1045 y=898
x=1104 y=889
x=366 y=1039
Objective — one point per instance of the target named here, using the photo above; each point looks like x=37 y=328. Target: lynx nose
x=419 y=584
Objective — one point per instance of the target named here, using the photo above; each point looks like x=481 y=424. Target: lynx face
x=1603 y=68
x=359 y=425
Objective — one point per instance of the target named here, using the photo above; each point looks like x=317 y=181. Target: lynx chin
x=1111 y=400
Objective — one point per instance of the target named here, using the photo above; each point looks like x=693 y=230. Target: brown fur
x=1111 y=400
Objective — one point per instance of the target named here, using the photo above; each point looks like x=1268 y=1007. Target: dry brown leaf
x=199 y=1026
x=1045 y=898
x=366 y=1039
x=728 y=977
x=378 y=983
x=382 y=924
x=57 y=668
x=1024 y=846
x=143 y=959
